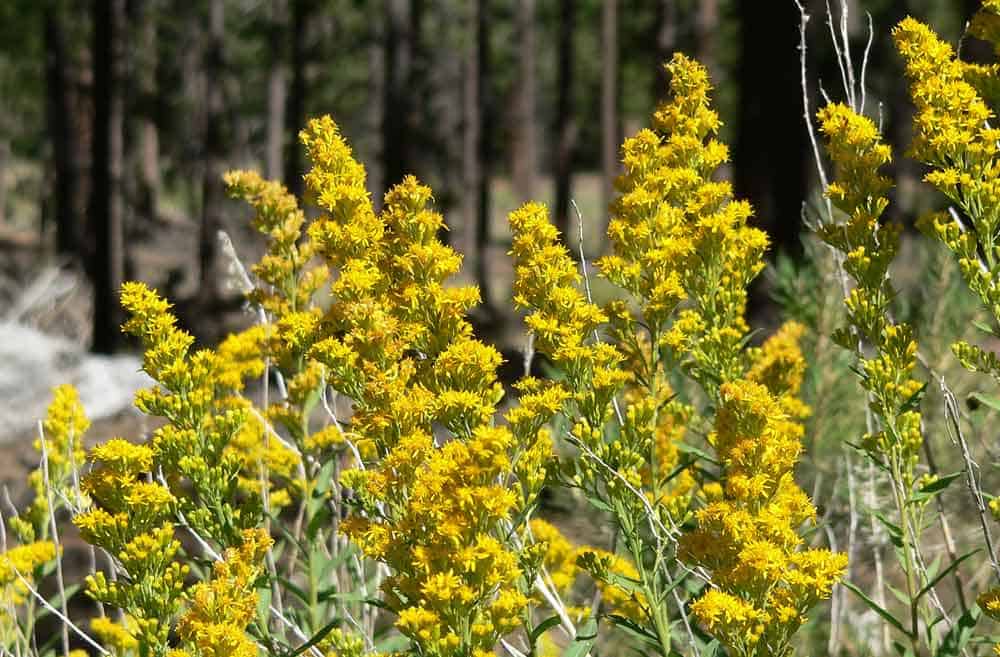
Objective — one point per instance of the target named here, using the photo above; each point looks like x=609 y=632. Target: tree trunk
x=4 y=163
x=376 y=110
x=566 y=128
x=706 y=28
x=523 y=149
x=396 y=108
x=212 y=191
x=295 y=115
x=486 y=118
x=665 y=40
x=149 y=139
x=609 y=100
x=276 y=91
x=770 y=157
x=65 y=153
x=106 y=212
x=470 y=137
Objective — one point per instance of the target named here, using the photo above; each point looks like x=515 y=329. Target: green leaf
x=899 y=595
x=986 y=400
x=316 y=638
x=944 y=573
x=635 y=630
x=317 y=521
x=584 y=641
x=294 y=589
x=960 y=634
x=264 y=603
x=930 y=490
x=626 y=584
x=598 y=503
x=984 y=327
x=895 y=533
x=685 y=448
x=712 y=649
x=542 y=628
x=874 y=606
x=324 y=478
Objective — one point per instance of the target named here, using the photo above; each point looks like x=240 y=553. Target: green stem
x=908 y=555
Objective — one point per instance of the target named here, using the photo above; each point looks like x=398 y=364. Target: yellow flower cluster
x=115 y=636
x=63 y=429
x=678 y=235
x=857 y=151
x=683 y=251
x=763 y=580
x=132 y=520
x=18 y=566
x=220 y=610
x=953 y=135
x=53 y=483
x=437 y=510
x=288 y=281
x=198 y=447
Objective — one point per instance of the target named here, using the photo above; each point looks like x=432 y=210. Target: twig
x=590 y=296
x=58 y=614
x=55 y=533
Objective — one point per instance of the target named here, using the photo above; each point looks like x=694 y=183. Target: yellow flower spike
x=18 y=566
x=397 y=343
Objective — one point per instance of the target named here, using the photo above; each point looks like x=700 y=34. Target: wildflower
x=683 y=253
x=18 y=567
x=396 y=342
x=221 y=609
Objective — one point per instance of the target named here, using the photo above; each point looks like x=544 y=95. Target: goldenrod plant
x=954 y=136
x=886 y=349
x=683 y=257
x=347 y=476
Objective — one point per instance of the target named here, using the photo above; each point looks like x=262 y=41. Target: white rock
x=32 y=363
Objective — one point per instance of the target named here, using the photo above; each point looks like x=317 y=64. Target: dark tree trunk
x=397 y=97
x=610 y=129
x=295 y=114
x=665 y=40
x=566 y=127
x=376 y=110
x=706 y=28
x=149 y=138
x=212 y=192
x=523 y=149
x=471 y=126
x=770 y=157
x=65 y=149
x=106 y=214
x=276 y=90
x=486 y=117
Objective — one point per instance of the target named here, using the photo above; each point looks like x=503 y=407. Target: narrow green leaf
x=316 y=638
x=960 y=634
x=637 y=631
x=930 y=490
x=543 y=627
x=984 y=327
x=986 y=400
x=584 y=641
x=944 y=573
x=874 y=606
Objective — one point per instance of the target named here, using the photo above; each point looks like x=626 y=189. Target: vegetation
x=348 y=476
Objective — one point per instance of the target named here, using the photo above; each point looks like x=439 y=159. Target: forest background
x=118 y=118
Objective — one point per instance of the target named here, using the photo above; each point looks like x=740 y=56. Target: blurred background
x=119 y=117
